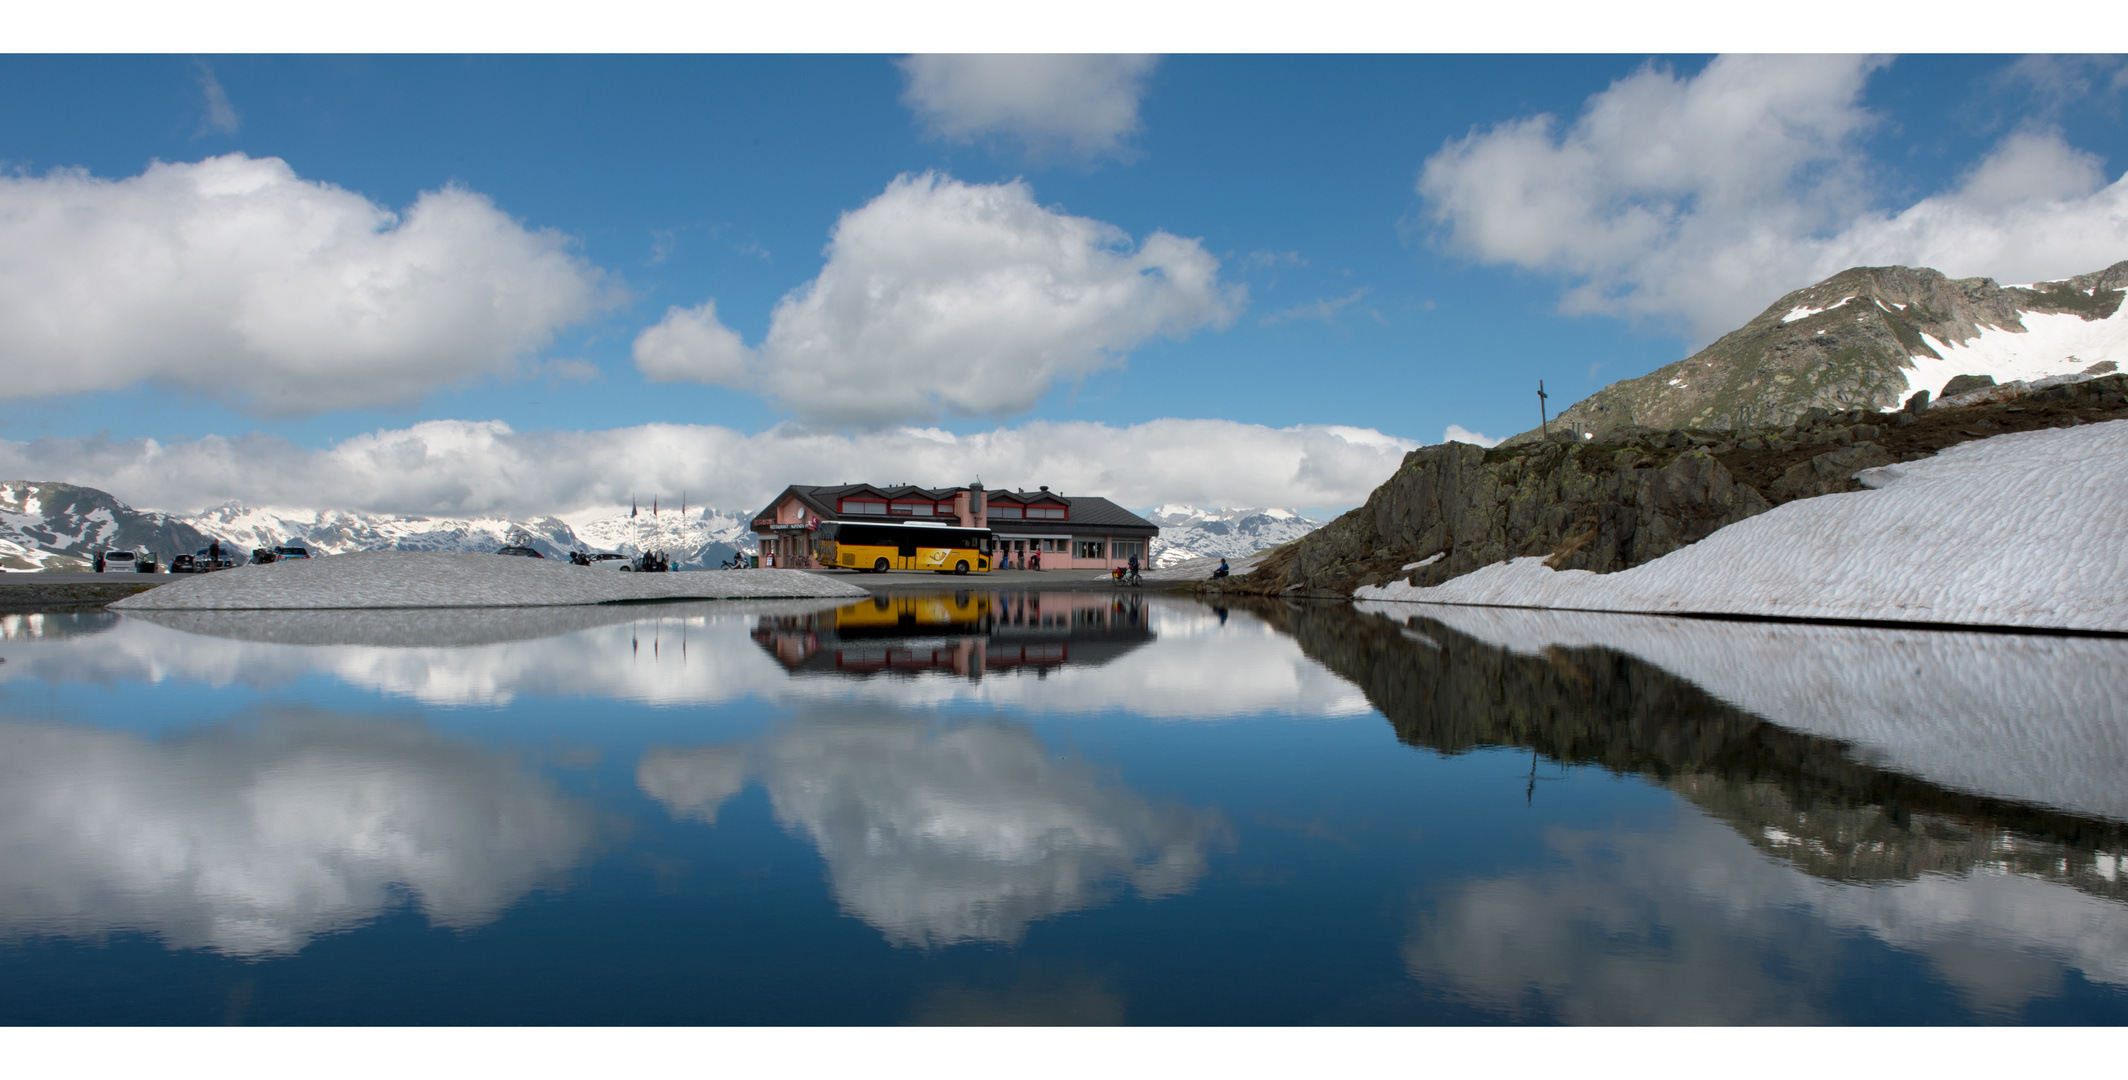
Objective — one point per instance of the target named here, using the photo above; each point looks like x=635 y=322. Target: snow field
x=413 y=579
x=2052 y=344
x=2027 y=529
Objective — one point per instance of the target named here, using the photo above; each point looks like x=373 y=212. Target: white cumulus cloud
x=1461 y=434
x=1699 y=200
x=1078 y=108
x=946 y=297
x=235 y=277
x=690 y=345
x=467 y=467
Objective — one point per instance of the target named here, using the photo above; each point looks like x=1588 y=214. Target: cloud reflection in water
x=252 y=839
x=944 y=833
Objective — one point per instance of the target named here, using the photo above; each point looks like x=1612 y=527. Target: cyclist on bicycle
x=1134 y=570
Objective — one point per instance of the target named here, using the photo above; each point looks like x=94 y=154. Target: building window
x=1054 y=513
x=864 y=506
x=1089 y=549
x=923 y=508
x=1005 y=510
x=946 y=510
x=1124 y=549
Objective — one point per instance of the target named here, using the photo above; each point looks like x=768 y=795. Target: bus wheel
x=880 y=567
x=961 y=567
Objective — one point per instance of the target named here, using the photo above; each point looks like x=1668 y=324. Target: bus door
x=908 y=557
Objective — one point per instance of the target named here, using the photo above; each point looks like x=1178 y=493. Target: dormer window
x=1053 y=513
x=864 y=506
x=901 y=507
x=1007 y=510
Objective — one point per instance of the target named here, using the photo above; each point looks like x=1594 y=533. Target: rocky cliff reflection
x=1692 y=925
x=1953 y=795
x=944 y=833
x=251 y=838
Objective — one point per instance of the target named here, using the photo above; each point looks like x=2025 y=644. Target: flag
x=631 y=508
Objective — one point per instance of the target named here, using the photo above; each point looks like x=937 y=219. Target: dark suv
x=518 y=549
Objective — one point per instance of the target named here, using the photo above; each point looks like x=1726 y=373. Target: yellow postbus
x=883 y=546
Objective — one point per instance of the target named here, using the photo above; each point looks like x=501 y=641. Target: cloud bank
x=945 y=297
x=1073 y=108
x=234 y=277
x=1699 y=200
x=485 y=467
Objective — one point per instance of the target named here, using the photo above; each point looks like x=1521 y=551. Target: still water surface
x=1066 y=807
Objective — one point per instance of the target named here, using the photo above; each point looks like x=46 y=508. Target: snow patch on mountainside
x=1190 y=532
x=2052 y=344
x=2017 y=530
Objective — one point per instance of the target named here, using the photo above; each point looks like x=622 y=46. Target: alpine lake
x=1094 y=806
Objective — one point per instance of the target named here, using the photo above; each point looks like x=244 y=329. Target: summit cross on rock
x=1544 y=420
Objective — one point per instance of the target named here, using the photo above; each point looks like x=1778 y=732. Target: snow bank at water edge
x=2028 y=529
x=409 y=579
x=2030 y=718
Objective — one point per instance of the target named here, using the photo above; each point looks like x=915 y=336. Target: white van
x=117 y=562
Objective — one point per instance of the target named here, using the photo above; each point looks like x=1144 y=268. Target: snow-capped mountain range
x=698 y=539
x=1191 y=532
x=53 y=526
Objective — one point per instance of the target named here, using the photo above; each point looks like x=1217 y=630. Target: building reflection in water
x=965 y=633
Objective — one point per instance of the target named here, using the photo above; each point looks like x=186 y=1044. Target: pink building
x=1067 y=531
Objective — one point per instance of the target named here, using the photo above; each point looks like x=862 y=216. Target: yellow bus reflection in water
x=967 y=633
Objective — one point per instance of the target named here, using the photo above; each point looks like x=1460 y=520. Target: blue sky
x=1037 y=266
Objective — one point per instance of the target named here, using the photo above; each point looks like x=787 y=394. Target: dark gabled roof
x=1094 y=510
x=825 y=501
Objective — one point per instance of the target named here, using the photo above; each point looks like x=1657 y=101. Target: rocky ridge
x=1633 y=494
x=1854 y=340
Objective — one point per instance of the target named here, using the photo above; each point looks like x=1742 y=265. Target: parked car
x=609 y=561
x=115 y=561
x=261 y=556
x=292 y=551
x=519 y=549
x=183 y=564
x=146 y=564
x=203 y=560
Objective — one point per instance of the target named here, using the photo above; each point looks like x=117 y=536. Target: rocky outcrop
x=1632 y=494
x=1845 y=343
x=1598 y=507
